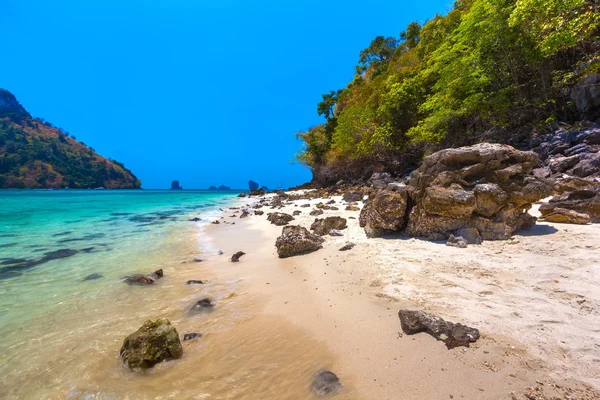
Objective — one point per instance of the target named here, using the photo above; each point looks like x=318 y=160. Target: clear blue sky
x=205 y=92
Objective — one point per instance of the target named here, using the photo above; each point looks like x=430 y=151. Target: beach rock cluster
x=485 y=187
x=296 y=240
x=453 y=335
x=585 y=204
x=154 y=342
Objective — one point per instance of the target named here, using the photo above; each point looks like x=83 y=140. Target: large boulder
x=581 y=201
x=295 y=240
x=384 y=212
x=453 y=335
x=486 y=187
x=324 y=226
x=154 y=342
x=586 y=96
x=279 y=219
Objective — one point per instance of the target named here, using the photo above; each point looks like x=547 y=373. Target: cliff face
x=34 y=154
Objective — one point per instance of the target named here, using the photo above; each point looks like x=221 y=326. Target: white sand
x=534 y=298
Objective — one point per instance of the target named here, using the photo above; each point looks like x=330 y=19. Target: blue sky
x=209 y=93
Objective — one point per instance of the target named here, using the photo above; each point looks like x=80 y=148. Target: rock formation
x=279 y=219
x=154 y=342
x=453 y=335
x=252 y=185
x=582 y=201
x=175 y=185
x=384 y=212
x=295 y=240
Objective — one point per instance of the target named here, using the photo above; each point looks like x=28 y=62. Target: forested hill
x=490 y=70
x=34 y=154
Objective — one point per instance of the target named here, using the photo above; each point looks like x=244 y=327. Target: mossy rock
x=154 y=342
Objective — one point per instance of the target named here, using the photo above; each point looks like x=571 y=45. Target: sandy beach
x=534 y=298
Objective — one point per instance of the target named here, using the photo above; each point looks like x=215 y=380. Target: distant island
x=222 y=187
x=34 y=155
x=176 y=186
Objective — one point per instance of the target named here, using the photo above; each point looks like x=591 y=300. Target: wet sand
x=539 y=339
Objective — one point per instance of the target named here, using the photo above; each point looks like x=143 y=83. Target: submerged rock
x=195 y=282
x=92 y=277
x=202 y=305
x=322 y=227
x=325 y=382
x=236 y=256
x=296 y=240
x=139 y=279
x=191 y=336
x=453 y=335
x=279 y=219
x=154 y=342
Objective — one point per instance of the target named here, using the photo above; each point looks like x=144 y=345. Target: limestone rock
x=324 y=226
x=280 y=219
x=453 y=335
x=154 y=342
x=384 y=212
x=564 y=216
x=295 y=240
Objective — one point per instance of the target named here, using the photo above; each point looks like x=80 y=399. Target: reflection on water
x=63 y=321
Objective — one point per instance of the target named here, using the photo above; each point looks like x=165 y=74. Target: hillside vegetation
x=489 y=70
x=34 y=154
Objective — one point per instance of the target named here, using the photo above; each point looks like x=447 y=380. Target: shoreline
x=349 y=301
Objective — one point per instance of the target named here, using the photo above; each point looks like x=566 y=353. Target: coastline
x=349 y=302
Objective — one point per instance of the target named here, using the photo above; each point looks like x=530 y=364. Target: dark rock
x=586 y=96
x=279 y=219
x=175 y=185
x=216 y=222
x=243 y=194
x=331 y=202
x=236 y=256
x=352 y=197
x=305 y=205
x=384 y=212
x=296 y=212
x=258 y=192
x=347 y=246
x=191 y=336
x=92 y=277
x=322 y=227
x=589 y=165
x=258 y=212
x=203 y=305
x=197 y=259
x=296 y=240
x=195 y=219
x=564 y=216
x=316 y=212
x=456 y=241
x=453 y=335
x=154 y=342
x=352 y=208
x=244 y=214
x=325 y=383
x=195 y=282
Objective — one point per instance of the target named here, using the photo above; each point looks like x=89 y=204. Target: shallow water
x=61 y=333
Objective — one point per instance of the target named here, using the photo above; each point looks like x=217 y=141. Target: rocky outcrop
x=154 y=342
x=202 y=305
x=453 y=335
x=384 y=212
x=581 y=201
x=279 y=219
x=175 y=185
x=139 y=279
x=485 y=186
x=325 y=382
x=257 y=192
x=564 y=216
x=586 y=96
x=324 y=226
x=253 y=185
x=296 y=240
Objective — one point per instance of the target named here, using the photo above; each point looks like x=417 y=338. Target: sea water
x=65 y=310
